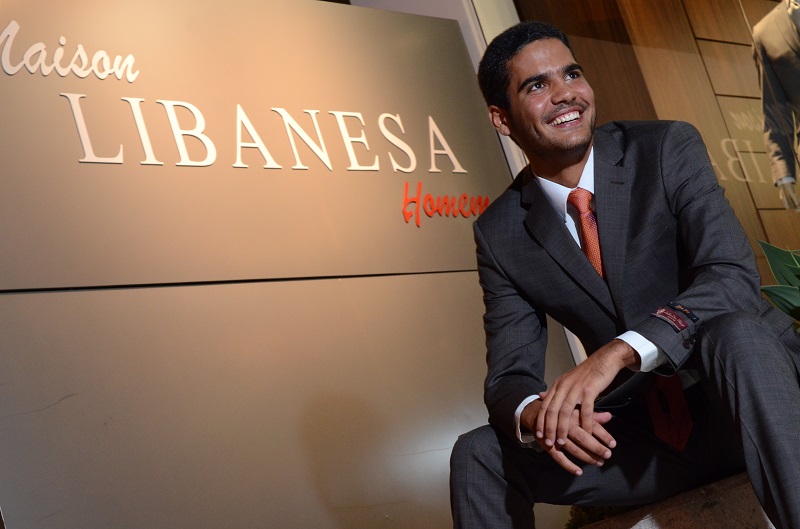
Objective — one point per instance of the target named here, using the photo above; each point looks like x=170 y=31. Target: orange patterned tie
x=581 y=200
x=669 y=412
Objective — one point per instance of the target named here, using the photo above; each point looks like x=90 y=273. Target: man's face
x=551 y=111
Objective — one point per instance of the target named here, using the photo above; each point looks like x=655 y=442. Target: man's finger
x=566 y=416
x=548 y=415
x=563 y=461
x=597 y=447
x=601 y=434
x=587 y=414
x=581 y=454
x=545 y=397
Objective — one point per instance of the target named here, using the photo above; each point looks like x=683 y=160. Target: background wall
x=188 y=342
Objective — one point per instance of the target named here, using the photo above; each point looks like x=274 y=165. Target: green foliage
x=785 y=298
x=785 y=266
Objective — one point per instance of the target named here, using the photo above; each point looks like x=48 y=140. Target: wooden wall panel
x=718 y=20
x=735 y=80
x=601 y=44
x=680 y=89
x=757 y=172
x=783 y=229
x=754 y=10
x=744 y=120
x=731 y=68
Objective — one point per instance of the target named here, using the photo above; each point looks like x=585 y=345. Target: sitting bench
x=726 y=504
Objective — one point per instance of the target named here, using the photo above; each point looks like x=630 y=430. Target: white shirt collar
x=557 y=194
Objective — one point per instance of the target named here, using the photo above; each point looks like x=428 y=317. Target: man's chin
x=573 y=146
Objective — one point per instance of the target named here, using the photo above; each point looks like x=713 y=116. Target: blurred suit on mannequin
x=777 y=50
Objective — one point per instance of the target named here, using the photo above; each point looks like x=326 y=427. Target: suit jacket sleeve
x=516 y=339
x=718 y=269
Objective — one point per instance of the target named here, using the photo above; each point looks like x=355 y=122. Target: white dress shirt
x=650 y=355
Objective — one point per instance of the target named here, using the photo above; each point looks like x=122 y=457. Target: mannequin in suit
x=777 y=50
x=677 y=296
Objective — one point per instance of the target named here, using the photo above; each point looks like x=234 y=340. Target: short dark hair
x=493 y=76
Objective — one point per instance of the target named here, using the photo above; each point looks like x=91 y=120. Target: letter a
x=434 y=131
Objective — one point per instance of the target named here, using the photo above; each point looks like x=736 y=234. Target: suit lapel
x=547 y=227
x=612 y=187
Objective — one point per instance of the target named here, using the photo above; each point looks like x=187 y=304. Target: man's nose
x=562 y=92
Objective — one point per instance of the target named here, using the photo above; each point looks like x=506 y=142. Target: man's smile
x=565 y=118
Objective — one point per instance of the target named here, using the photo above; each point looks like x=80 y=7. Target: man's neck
x=565 y=170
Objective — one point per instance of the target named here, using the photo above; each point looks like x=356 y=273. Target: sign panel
x=288 y=404
x=152 y=142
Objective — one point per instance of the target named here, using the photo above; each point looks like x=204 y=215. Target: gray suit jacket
x=667 y=234
x=777 y=48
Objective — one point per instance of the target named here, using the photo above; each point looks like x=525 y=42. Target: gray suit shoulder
x=509 y=200
x=629 y=133
x=652 y=127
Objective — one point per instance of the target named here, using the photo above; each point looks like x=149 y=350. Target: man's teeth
x=570 y=116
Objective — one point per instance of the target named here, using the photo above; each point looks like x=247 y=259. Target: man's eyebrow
x=532 y=79
x=572 y=67
x=543 y=76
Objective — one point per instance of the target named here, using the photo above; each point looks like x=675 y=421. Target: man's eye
x=535 y=86
x=573 y=75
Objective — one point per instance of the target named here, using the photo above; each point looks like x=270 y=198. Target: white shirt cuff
x=648 y=352
x=527 y=437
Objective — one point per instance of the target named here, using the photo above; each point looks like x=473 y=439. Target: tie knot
x=581 y=200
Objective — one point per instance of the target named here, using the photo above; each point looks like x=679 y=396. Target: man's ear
x=500 y=120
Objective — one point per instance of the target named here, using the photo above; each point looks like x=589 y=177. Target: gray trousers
x=746 y=412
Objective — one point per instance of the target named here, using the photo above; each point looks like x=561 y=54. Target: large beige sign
x=203 y=141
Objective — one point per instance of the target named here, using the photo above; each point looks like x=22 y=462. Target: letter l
x=88 y=153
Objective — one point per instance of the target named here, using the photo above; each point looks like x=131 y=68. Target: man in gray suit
x=777 y=49
x=691 y=375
